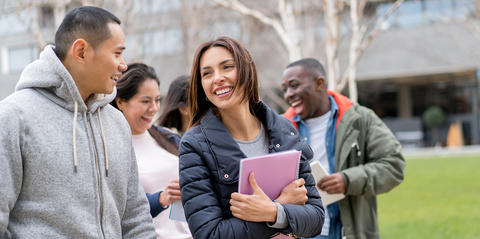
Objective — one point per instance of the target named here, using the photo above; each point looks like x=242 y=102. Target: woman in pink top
x=156 y=148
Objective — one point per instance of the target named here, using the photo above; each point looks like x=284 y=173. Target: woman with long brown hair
x=229 y=123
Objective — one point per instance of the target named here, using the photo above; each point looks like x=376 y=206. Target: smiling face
x=105 y=64
x=219 y=76
x=304 y=92
x=142 y=107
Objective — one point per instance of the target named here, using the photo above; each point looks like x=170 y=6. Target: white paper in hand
x=176 y=211
x=318 y=172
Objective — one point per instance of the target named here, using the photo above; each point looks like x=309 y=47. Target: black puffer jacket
x=209 y=164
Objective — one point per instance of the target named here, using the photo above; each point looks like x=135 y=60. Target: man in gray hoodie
x=67 y=167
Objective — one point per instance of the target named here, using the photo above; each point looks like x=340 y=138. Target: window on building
x=47 y=19
x=154 y=42
x=19 y=57
x=221 y=28
x=167 y=42
x=11 y=24
x=421 y=12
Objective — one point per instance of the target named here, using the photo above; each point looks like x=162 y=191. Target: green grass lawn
x=439 y=198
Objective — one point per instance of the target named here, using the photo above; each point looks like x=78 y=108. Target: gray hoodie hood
x=53 y=80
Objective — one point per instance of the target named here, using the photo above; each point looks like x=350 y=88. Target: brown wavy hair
x=176 y=97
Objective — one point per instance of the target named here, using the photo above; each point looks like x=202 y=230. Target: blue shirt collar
x=333 y=106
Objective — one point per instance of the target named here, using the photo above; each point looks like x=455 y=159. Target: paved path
x=441 y=151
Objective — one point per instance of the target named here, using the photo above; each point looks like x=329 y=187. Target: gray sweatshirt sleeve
x=11 y=172
x=137 y=221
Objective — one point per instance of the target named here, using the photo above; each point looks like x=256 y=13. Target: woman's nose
x=218 y=78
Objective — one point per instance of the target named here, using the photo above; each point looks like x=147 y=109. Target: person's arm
x=154 y=201
x=11 y=173
x=384 y=165
x=159 y=201
x=136 y=220
x=202 y=208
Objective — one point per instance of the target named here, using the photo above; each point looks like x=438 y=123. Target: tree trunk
x=356 y=16
x=285 y=8
x=331 y=19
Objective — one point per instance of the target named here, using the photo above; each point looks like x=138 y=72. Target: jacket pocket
x=355 y=155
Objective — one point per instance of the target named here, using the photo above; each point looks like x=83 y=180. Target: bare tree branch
x=35 y=27
x=365 y=43
x=289 y=39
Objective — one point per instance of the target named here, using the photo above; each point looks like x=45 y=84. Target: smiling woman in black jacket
x=230 y=123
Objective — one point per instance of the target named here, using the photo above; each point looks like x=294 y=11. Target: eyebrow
x=146 y=96
x=221 y=63
x=120 y=48
x=225 y=61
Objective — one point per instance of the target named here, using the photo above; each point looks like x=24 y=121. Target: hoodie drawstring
x=104 y=141
x=74 y=136
x=74 y=140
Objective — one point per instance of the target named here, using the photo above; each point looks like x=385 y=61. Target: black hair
x=131 y=79
x=311 y=65
x=177 y=96
x=87 y=22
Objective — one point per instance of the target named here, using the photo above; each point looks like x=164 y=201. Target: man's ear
x=79 y=50
x=320 y=83
x=119 y=103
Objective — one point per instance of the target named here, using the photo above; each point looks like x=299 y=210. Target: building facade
x=426 y=54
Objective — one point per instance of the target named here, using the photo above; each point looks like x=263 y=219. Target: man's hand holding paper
x=332 y=184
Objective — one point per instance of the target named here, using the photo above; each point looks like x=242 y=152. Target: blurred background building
x=426 y=53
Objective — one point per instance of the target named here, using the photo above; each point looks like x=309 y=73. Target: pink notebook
x=272 y=172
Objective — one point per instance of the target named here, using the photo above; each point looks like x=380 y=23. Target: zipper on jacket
x=99 y=180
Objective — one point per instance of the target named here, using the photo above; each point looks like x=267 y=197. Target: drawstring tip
x=106 y=172
x=75 y=168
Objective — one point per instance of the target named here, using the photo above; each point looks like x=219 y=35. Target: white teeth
x=295 y=103
x=223 y=91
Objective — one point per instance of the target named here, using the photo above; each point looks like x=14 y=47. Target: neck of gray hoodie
x=49 y=76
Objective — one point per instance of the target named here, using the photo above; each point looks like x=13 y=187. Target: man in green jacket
x=361 y=154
